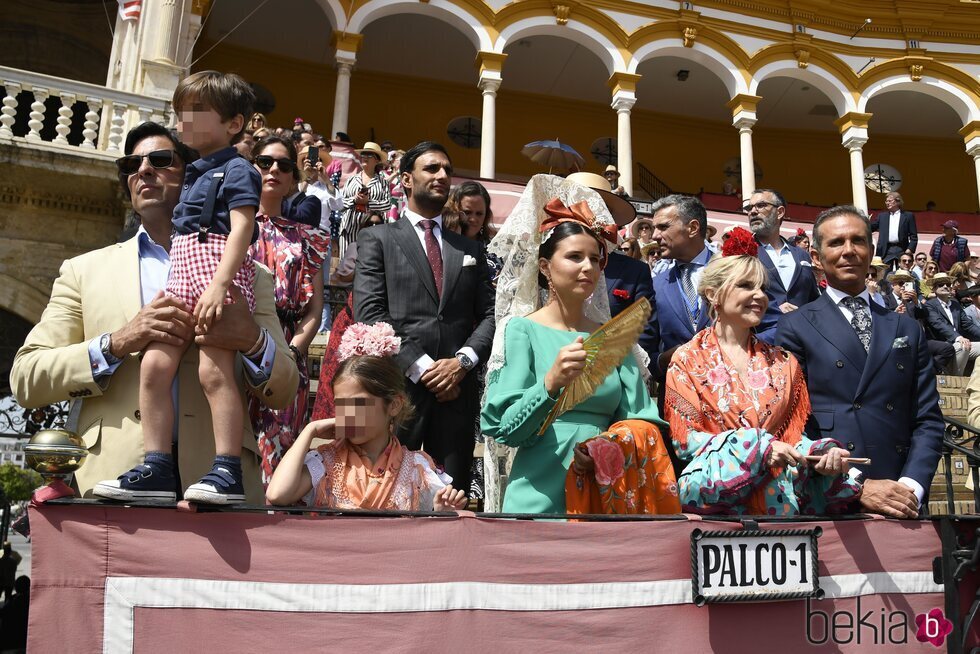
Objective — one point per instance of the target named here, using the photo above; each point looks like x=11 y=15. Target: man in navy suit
x=680 y=223
x=897 y=233
x=846 y=343
x=791 y=281
x=947 y=321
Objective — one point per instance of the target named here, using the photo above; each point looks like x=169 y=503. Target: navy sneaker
x=223 y=485
x=147 y=481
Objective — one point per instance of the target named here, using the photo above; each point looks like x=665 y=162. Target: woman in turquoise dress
x=538 y=351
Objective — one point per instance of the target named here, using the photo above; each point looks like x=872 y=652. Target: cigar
x=855 y=460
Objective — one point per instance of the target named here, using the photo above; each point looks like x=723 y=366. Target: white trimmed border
x=124 y=594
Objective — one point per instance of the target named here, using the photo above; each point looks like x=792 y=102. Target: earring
x=551 y=289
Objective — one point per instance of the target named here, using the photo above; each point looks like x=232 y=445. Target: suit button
x=840 y=364
x=850 y=446
x=889 y=407
x=440 y=318
x=857 y=405
x=900 y=366
x=268 y=392
x=136 y=414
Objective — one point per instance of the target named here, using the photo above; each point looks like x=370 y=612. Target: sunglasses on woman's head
x=158 y=159
x=265 y=163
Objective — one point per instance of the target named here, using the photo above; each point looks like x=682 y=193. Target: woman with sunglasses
x=295 y=254
x=364 y=193
x=928 y=272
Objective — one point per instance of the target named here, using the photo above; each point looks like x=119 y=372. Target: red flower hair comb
x=740 y=242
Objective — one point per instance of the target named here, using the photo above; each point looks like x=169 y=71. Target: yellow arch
x=787 y=51
x=931 y=68
x=516 y=12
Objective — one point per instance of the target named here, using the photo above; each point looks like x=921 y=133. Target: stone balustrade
x=46 y=112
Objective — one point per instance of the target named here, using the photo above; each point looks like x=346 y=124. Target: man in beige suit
x=107 y=305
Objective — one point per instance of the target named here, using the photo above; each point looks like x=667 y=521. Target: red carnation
x=740 y=242
x=621 y=292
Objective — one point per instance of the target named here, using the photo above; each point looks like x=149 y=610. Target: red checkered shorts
x=193 y=265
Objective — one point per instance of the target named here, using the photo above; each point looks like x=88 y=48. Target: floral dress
x=723 y=428
x=295 y=254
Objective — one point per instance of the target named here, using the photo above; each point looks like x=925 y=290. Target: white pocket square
x=900 y=342
x=806 y=263
x=468 y=260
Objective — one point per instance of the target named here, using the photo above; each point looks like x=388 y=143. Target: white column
x=623 y=102
x=489 y=83
x=854 y=139
x=341 y=100
x=973 y=149
x=744 y=125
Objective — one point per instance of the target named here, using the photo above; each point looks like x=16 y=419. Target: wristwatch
x=105 y=345
x=464 y=361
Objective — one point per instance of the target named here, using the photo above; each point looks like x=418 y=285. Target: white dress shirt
x=424 y=362
x=893 y=226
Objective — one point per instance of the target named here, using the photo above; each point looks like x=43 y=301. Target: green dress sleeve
x=516 y=401
x=635 y=403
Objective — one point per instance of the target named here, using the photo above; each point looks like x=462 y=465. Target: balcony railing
x=52 y=112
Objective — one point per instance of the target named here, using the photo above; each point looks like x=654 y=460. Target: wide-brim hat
x=374 y=149
x=941 y=277
x=900 y=277
x=623 y=212
x=635 y=227
x=878 y=263
x=645 y=249
x=611 y=169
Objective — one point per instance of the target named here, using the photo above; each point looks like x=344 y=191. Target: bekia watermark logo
x=874 y=626
x=932 y=627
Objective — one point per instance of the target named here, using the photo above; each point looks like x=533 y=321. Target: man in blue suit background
x=846 y=343
x=791 y=281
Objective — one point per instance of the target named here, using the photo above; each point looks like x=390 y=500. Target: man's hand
x=889 y=498
x=908 y=296
x=442 y=375
x=786 y=307
x=237 y=331
x=872 y=286
x=900 y=308
x=163 y=320
x=965 y=343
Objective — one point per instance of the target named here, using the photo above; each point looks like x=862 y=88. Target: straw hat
x=712 y=230
x=623 y=212
x=939 y=278
x=611 y=169
x=900 y=277
x=878 y=263
x=645 y=250
x=374 y=149
x=635 y=227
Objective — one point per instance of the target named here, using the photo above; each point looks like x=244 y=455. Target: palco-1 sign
x=752 y=565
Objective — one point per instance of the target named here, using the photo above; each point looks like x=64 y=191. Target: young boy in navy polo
x=214 y=225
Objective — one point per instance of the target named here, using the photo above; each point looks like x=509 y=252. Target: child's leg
x=157 y=372
x=217 y=375
x=224 y=484
x=154 y=479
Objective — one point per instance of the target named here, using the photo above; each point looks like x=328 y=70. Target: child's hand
x=209 y=306
x=449 y=499
x=320 y=429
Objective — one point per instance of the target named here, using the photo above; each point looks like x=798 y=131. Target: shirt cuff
x=915 y=486
x=470 y=354
x=417 y=369
x=258 y=367
x=100 y=367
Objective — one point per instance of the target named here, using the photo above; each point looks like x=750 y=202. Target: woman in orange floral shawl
x=737 y=409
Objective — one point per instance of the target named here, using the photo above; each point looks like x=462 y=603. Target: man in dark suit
x=791 y=281
x=897 y=233
x=433 y=287
x=947 y=321
x=845 y=342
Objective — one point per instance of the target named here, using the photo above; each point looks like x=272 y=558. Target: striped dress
x=379 y=200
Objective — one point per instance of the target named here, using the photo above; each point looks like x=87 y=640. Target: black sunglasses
x=158 y=159
x=265 y=162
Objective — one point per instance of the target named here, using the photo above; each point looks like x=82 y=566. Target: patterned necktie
x=433 y=253
x=690 y=293
x=861 y=320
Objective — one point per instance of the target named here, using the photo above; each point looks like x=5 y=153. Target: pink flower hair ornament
x=377 y=340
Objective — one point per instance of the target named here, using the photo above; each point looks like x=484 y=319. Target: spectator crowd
x=773 y=375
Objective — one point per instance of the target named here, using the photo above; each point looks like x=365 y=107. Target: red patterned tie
x=433 y=253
